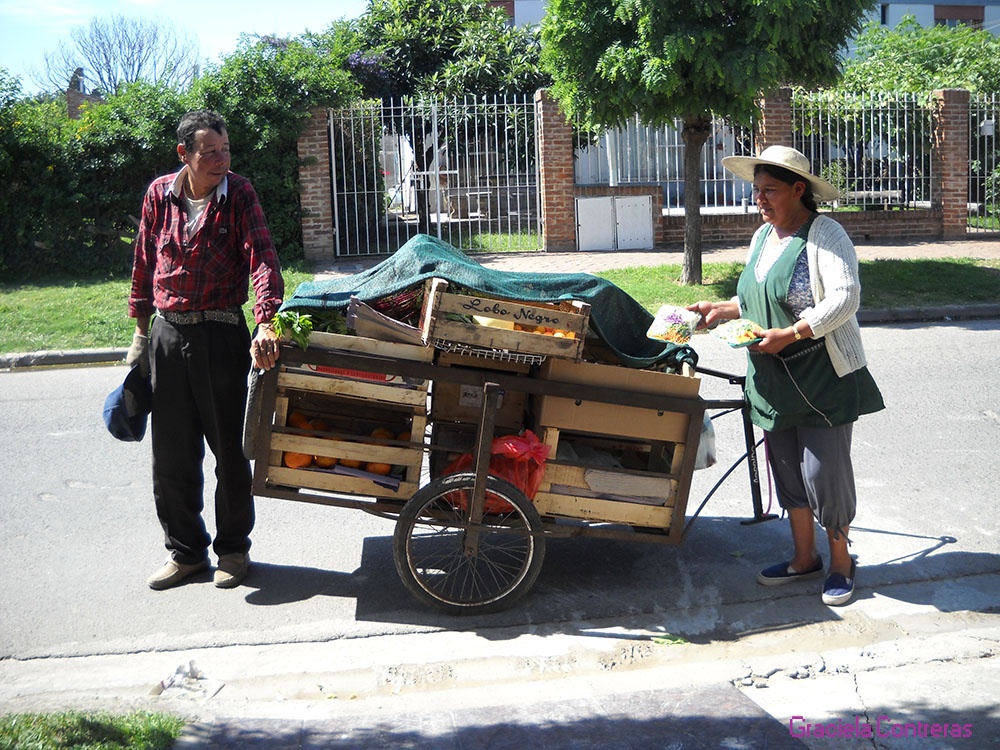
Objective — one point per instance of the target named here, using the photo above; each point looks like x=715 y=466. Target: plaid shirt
x=209 y=268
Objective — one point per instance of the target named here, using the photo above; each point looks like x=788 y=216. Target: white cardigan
x=836 y=289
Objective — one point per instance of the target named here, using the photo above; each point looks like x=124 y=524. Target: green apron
x=797 y=387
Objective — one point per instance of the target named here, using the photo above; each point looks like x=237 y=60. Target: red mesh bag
x=519 y=459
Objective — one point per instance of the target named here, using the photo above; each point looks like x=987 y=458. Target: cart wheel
x=255 y=394
x=429 y=546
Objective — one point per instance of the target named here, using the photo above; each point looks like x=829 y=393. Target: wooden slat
x=321 y=480
x=360 y=389
x=609 y=511
x=358 y=451
x=567 y=315
x=499 y=338
x=335 y=341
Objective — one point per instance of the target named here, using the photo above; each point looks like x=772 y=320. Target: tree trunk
x=695 y=133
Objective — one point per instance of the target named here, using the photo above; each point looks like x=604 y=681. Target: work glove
x=138 y=353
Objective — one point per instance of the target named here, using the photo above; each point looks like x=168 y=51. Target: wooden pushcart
x=472 y=541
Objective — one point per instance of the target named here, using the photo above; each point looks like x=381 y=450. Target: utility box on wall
x=610 y=223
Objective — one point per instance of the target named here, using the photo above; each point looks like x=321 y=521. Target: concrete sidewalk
x=883 y=664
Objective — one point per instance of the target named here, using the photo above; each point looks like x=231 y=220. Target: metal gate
x=464 y=171
x=984 y=164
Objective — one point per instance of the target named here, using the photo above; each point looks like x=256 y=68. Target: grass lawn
x=884 y=283
x=82 y=314
x=89 y=731
x=65 y=313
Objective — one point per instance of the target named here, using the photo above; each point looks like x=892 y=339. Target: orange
x=296 y=460
x=319 y=425
x=350 y=463
x=378 y=468
x=325 y=462
x=404 y=436
x=298 y=420
x=383 y=433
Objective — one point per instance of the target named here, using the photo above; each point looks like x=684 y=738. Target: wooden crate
x=499 y=319
x=350 y=404
x=643 y=491
x=613 y=419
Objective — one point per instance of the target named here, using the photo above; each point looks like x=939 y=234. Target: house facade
x=984 y=14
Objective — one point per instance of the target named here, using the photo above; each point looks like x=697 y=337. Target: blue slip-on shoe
x=838 y=590
x=783 y=573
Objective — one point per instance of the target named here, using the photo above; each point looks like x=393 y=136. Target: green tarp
x=614 y=316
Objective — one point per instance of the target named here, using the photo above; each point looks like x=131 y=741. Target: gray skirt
x=812 y=469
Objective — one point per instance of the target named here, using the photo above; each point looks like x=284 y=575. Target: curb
x=922 y=314
x=62 y=357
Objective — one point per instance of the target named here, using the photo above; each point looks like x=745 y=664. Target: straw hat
x=787 y=158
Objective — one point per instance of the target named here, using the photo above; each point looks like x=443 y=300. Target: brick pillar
x=555 y=175
x=775 y=128
x=950 y=176
x=315 y=187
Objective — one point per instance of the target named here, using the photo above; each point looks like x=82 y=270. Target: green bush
x=72 y=188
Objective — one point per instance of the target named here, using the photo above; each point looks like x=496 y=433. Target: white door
x=634 y=219
x=595 y=223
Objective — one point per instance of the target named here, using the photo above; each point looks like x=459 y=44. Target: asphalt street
x=619 y=644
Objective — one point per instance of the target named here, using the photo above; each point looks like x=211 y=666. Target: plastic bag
x=705 y=456
x=519 y=459
x=673 y=324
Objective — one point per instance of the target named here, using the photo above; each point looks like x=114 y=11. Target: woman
x=807 y=378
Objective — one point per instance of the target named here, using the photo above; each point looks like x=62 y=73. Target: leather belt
x=232 y=317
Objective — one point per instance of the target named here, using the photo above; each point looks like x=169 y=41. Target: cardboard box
x=611 y=419
x=456 y=402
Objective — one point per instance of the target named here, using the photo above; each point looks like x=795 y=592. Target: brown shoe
x=172 y=573
x=232 y=569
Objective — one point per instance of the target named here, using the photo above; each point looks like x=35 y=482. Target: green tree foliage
x=443 y=47
x=915 y=59
x=73 y=186
x=70 y=189
x=666 y=59
x=264 y=91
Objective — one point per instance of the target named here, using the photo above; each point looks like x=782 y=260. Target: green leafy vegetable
x=293 y=325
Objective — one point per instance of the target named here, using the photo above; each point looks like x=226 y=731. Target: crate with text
x=530 y=329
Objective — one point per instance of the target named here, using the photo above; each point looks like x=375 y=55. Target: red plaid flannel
x=209 y=268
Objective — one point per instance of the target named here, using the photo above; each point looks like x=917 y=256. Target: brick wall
x=950 y=187
x=555 y=175
x=775 y=128
x=316 y=193
x=946 y=219
x=76 y=99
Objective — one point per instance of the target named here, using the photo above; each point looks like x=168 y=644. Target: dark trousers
x=199 y=395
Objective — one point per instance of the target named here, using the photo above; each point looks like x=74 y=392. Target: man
x=202 y=236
